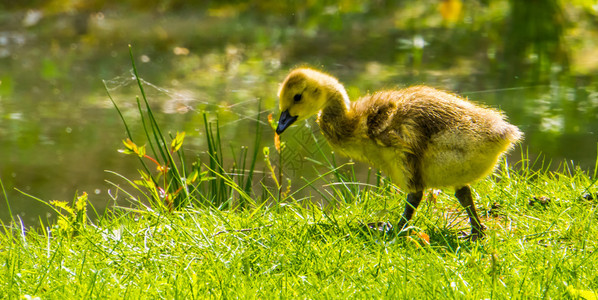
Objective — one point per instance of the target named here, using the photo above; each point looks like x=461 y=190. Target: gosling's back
x=422 y=137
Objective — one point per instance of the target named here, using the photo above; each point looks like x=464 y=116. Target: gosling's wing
x=407 y=119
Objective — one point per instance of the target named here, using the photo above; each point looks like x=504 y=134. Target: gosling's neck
x=334 y=118
x=337 y=100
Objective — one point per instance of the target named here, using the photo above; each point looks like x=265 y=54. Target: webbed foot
x=381 y=227
x=475 y=235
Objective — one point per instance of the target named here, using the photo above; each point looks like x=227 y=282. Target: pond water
x=59 y=132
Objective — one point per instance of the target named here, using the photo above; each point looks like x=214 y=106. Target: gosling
x=419 y=136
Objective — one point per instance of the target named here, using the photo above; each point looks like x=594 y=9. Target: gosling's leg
x=464 y=196
x=413 y=200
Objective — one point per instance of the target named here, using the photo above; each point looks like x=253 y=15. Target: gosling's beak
x=285 y=121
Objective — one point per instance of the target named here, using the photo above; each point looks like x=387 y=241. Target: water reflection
x=533 y=43
x=59 y=132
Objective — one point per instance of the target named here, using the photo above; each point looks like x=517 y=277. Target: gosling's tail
x=512 y=133
x=508 y=135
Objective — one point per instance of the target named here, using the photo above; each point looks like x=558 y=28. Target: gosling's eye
x=297 y=97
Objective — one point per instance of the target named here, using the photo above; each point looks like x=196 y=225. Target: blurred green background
x=537 y=60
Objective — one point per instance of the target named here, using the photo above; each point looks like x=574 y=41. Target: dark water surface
x=59 y=132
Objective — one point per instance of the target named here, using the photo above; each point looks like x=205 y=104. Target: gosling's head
x=304 y=93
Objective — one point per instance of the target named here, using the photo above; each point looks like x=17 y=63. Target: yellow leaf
x=177 y=142
x=450 y=10
x=277 y=142
x=131 y=148
x=193 y=177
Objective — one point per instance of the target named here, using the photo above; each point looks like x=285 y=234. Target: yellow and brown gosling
x=420 y=137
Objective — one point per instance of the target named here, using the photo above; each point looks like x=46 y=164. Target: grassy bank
x=542 y=247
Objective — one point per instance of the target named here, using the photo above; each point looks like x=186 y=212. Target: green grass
x=303 y=251
x=202 y=229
